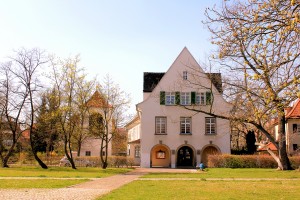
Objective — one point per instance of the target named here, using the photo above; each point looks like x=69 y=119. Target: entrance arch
x=160 y=156
x=185 y=157
x=207 y=151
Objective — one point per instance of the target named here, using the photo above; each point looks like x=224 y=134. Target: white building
x=172 y=136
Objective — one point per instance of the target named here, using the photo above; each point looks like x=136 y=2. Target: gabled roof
x=185 y=58
x=295 y=111
x=151 y=79
x=97 y=100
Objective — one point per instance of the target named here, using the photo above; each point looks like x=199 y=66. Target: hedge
x=247 y=161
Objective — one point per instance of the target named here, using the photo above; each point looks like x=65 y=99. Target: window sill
x=160 y=134
x=210 y=134
x=185 y=133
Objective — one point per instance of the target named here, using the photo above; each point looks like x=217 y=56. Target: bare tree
x=259 y=46
x=72 y=92
x=19 y=86
x=113 y=107
x=83 y=94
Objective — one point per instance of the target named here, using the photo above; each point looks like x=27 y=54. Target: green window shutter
x=177 y=98
x=162 y=97
x=193 y=97
x=208 y=98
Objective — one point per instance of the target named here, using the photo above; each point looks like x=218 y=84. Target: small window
x=137 y=151
x=160 y=125
x=170 y=98
x=200 y=98
x=210 y=125
x=184 y=75
x=295 y=147
x=88 y=153
x=185 y=98
x=185 y=125
x=160 y=154
x=296 y=128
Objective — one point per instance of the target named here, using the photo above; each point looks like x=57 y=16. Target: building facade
x=292 y=127
x=172 y=134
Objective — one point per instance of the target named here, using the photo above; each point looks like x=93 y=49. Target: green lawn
x=207 y=190
x=230 y=173
x=38 y=183
x=213 y=189
x=61 y=172
x=44 y=176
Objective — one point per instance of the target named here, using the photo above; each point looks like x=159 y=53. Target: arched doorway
x=160 y=156
x=185 y=157
x=209 y=150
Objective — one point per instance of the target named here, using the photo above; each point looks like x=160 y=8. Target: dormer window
x=184 y=75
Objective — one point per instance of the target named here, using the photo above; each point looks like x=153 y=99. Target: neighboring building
x=134 y=143
x=292 y=115
x=172 y=136
x=91 y=146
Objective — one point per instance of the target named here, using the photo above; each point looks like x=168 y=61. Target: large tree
x=20 y=83
x=72 y=91
x=259 y=46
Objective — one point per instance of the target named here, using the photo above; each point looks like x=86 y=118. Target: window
x=184 y=76
x=170 y=98
x=296 y=128
x=210 y=125
x=88 y=153
x=295 y=147
x=185 y=125
x=185 y=98
x=160 y=125
x=103 y=153
x=200 y=98
x=137 y=151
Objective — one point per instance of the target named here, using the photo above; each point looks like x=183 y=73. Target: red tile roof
x=270 y=146
x=97 y=100
x=295 y=111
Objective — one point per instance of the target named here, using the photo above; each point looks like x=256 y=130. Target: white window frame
x=137 y=151
x=160 y=125
x=185 y=98
x=185 y=125
x=200 y=98
x=184 y=75
x=170 y=98
x=88 y=153
x=210 y=126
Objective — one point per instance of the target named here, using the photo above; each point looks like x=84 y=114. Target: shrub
x=241 y=161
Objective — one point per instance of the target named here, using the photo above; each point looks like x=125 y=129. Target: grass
x=61 y=172
x=38 y=183
x=44 y=176
x=216 y=189
x=230 y=173
x=207 y=190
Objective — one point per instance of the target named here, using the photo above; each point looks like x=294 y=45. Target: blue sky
x=116 y=37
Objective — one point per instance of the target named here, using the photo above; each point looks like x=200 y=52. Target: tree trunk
x=79 y=148
x=284 y=159
x=41 y=163
x=4 y=162
x=69 y=154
